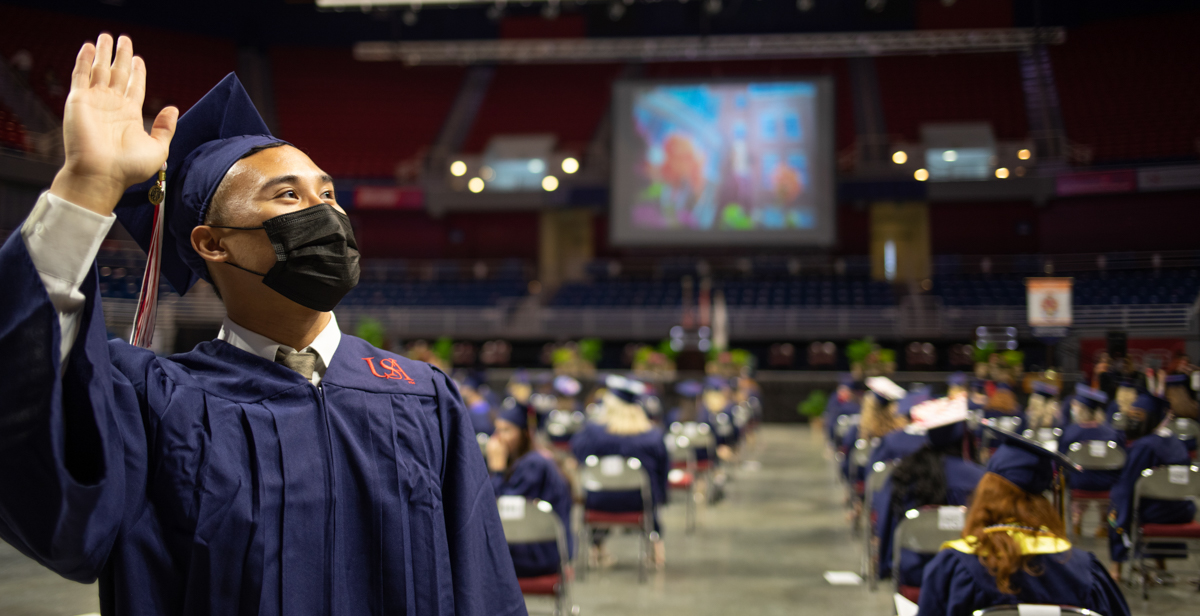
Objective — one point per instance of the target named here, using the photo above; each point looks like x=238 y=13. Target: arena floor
x=761 y=551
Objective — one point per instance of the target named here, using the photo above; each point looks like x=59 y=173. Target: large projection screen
x=723 y=162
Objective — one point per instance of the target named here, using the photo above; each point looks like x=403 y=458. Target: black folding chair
x=1168 y=483
x=535 y=521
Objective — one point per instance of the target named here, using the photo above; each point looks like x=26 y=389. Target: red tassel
x=147 y=308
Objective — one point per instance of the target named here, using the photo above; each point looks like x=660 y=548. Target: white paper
x=1097 y=449
x=511 y=507
x=1030 y=609
x=1177 y=474
x=611 y=466
x=904 y=607
x=951 y=518
x=843 y=578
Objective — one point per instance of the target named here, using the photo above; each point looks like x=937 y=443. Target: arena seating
x=12 y=132
x=486 y=293
x=1120 y=90
x=372 y=115
x=952 y=88
x=762 y=293
x=182 y=66
x=571 y=101
x=1168 y=286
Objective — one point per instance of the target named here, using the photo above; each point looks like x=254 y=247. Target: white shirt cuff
x=63 y=239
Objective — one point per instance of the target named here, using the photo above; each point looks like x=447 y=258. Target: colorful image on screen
x=729 y=157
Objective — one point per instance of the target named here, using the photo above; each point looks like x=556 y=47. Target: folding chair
x=1185 y=429
x=535 y=521
x=924 y=531
x=844 y=423
x=1169 y=483
x=1095 y=456
x=877 y=475
x=1045 y=436
x=1004 y=422
x=702 y=439
x=682 y=475
x=1034 y=609
x=562 y=425
x=1118 y=421
x=617 y=474
x=860 y=456
x=482 y=439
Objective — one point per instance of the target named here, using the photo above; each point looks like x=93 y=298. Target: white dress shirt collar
x=325 y=345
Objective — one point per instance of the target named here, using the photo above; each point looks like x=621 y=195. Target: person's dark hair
x=524 y=446
x=919 y=479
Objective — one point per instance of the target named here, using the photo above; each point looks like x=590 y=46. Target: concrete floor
x=762 y=551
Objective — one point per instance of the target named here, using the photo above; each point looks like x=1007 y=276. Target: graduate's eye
x=290 y=194
x=328 y=195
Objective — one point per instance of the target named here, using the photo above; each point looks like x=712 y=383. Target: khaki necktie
x=303 y=363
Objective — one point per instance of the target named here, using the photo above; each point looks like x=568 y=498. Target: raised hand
x=107 y=148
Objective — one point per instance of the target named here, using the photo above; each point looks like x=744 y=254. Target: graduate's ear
x=206 y=244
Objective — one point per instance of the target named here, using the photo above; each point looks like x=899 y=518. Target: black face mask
x=316 y=257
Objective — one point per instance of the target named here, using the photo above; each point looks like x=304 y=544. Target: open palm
x=107 y=147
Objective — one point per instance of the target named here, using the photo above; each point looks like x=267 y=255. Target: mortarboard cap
x=715 y=383
x=515 y=413
x=912 y=398
x=1026 y=463
x=1176 y=379
x=944 y=420
x=885 y=388
x=846 y=379
x=1091 y=398
x=958 y=379
x=1154 y=407
x=689 y=389
x=566 y=386
x=1044 y=388
x=624 y=388
x=217 y=131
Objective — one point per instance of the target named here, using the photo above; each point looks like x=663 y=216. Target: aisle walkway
x=761 y=552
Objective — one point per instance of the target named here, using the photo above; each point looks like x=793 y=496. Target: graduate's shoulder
x=363 y=366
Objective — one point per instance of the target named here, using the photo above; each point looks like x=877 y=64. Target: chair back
x=699 y=434
x=924 y=531
x=1008 y=422
x=844 y=423
x=1184 y=428
x=1097 y=455
x=680 y=448
x=1175 y=482
x=1118 y=421
x=879 y=473
x=482 y=439
x=613 y=474
x=528 y=520
x=723 y=424
x=1034 y=609
x=741 y=415
x=861 y=455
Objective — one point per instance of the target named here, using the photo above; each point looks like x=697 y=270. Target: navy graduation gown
x=1095 y=481
x=217 y=482
x=897 y=445
x=962 y=476
x=648 y=447
x=835 y=408
x=957 y=584
x=1147 y=452
x=535 y=476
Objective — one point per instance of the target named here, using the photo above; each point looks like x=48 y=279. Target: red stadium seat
x=1190 y=530
x=629 y=518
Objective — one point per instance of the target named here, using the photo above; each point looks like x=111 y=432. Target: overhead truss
x=707 y=48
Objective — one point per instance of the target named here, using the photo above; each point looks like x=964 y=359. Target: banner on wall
x=1048 y=303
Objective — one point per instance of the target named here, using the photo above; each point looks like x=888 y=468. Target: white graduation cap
x=885 y=388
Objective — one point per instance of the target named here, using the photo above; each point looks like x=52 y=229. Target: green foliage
x=561 y=356
x=982 y=354
x=741 y=357
x=1015 y=359
x=814 y=405
x=444 y=349
x=591 y=349
x=372 y=331
x=857 y=350
x=664 y=347
x=887 y=355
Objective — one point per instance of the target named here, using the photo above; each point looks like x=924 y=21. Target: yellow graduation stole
x=1029 y=541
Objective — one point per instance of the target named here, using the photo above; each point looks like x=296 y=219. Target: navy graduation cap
x=1092 y=398
x=515 y=413
x=217 y=131
x=1025 y=462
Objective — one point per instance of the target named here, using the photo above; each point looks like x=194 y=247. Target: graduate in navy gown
x=718 y=403
x=1087 y=415
x=1151 y=445
x=518 y=469
x=1042 y=410
x=283 y=468
x=846 y=400
x=482 y=416
x=899 y=443
x=942 y=472
x=880 y=417
x=1181 y=400
x=1014 y=547
x=626 y=431
x=1002 y=402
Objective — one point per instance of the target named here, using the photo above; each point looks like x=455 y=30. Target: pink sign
x=1096 y=182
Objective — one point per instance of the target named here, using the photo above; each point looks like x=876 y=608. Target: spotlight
x=900 y=157
x=570 y=165
x=475 y=185
x=549 y=183
x=921 y=175
x=712 y=7
x=1002 y=172
x=458 y=168
x=616 y=11
x=805 y=6
x=1024 y=154
x=410 y=18
x=876 y=5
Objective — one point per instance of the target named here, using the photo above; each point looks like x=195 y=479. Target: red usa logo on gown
x=392 y=369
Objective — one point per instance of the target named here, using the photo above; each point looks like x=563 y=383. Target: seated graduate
x=846 y=400
x=482 y=417
x=518 y=469
x=519 y=386
x=1181 y=401
x=626 y=431
x=956 y=385
x=899 y=443
x=1125 y=392
x=285 y=467
x=942 y=472
x=717 y=401
x=1042 y=410
x=879 y=418
x=1151 y=444
x=1002 y=402
x=689 y=410
x=1014 y=547
x=1087 y=424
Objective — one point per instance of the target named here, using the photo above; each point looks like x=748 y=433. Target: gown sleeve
x=72 y=438
x=885 y=525
x=947 y=588
x=485 y=582
x=662 y=468
x=1106 y=597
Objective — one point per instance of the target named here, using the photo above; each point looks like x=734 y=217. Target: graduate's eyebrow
x=325 y=178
